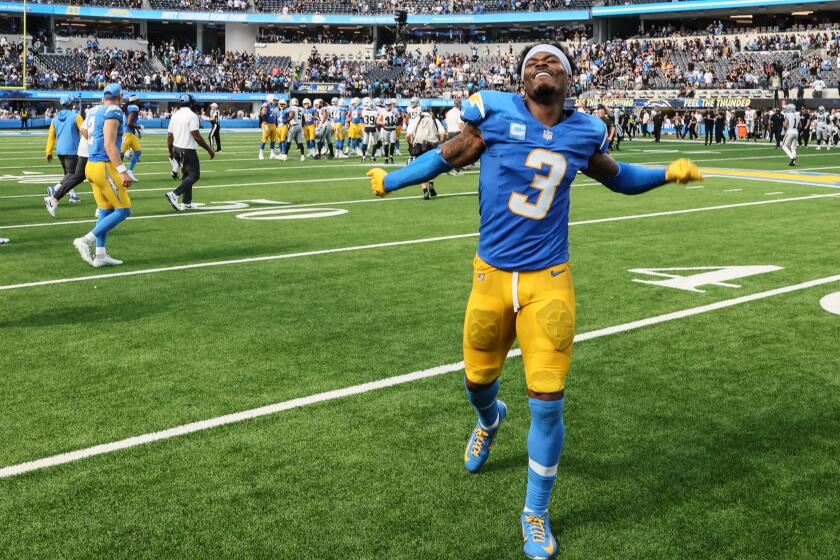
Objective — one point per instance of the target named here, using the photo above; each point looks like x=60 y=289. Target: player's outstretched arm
x=461 y=151
x=628 y=178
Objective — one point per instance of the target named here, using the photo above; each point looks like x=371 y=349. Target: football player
x=791 y=128
x=108 y=176
x=370 y=140
x=309 y=126
x=354 y=126
x=268 y=124
x=131 y=132
x=282 y=127
x=387 y=123
x=338 y=117
x=822 y=128
x=530 y=150
x=323 y=129
x=294 y=119
x=64 y=139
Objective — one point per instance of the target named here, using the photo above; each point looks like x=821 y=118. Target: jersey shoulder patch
x=112 y=112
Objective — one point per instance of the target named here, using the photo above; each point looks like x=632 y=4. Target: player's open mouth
x=542 y=73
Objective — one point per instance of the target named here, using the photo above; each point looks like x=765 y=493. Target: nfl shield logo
x=547 y=134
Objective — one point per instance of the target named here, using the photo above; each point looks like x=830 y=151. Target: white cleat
x=84 y=250
x=51 y=205
x=133 y=176
x=186 y=206
x=302 y=157
x=273 y=156
x=105 y=260
x=74 y=198
x=173 y=200
x=262 y=156
x=282 y=157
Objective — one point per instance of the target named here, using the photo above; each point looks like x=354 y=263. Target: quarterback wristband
x=635 y=179
x=121 y=169
x=424 y=168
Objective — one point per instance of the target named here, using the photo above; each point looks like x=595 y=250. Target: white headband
x=546 y=49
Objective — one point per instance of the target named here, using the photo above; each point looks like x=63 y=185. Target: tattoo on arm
x=465 y=148
x=601 y=166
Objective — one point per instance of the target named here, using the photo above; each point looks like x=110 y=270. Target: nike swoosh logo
x=557 y=273
x=550 y=549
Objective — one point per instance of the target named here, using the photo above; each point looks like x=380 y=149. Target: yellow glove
x=683 y=171
x=377 y=181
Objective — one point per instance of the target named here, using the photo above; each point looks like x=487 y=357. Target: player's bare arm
x=464 y=149
x=110 y=130
x=199 y=139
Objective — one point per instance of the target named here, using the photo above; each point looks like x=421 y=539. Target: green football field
x=276 y=373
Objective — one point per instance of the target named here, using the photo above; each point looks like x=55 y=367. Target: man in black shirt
x=776 y=122
x=709 y=126
x=657 y=124
x=720 y=122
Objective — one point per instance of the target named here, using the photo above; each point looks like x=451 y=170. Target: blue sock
x=135 y=157
x=545 y=443
x=397 y=144
x=262 y=146
x=100 y=239
x=283 y=147
x=485 y=404
x=272 y=146
x=108 y=220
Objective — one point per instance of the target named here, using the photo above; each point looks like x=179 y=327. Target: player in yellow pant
x=538 y=306
x=108 y=189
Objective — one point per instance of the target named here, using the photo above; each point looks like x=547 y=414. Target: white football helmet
x=269 y=98
x=334 y=101
x=293 y=102
x=415 y=101
x=307 y=102
x=366 y=102
x=318 y=103
x=389 y=102
x=341 y=102
x=282 y=102
x=821 y=109
x=377 y=102
x=354 y=102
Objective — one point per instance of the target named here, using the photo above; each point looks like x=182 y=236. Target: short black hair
x=556 y=45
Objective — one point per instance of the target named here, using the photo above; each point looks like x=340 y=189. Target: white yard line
x=779 y=192
x=144 y=271
x=733 y=190
x=210 y=211
x=695 y=187
x=250 y=414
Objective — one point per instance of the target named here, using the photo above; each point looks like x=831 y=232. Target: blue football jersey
x=128 y=110
x=97 y=144
x=526 y=174
x=270 y=114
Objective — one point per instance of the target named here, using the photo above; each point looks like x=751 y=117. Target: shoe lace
x=478 y=441
x=536 y=525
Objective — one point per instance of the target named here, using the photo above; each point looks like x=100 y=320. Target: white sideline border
x=250 y=414
x=282 y=256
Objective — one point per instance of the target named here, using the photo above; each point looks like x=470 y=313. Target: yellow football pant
x=339 y=131
x=282 y=132
x=355 y=130
x=269 y=133
x=537 y=307
x=130 y=141
x=309 y=132
x=108 y=189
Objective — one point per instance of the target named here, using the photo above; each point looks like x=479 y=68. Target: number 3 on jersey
x=546 y=184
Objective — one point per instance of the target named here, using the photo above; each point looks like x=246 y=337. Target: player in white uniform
x=295 y=134
x=821 y=129
x=749 y=120
x=791 y=138
x=834 y=128
x=370 y=138
x=323 y=129
x=387 y=121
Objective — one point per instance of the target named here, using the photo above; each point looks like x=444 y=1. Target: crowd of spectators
x=189 y=69
x=315 y=35
x=201 y=5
